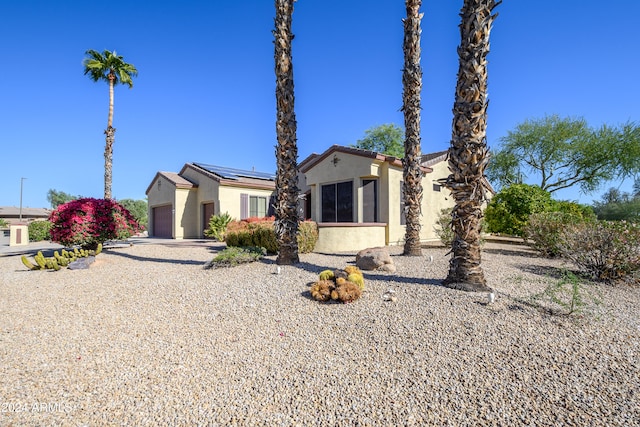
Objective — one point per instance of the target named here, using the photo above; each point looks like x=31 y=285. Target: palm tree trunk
x=286 y=208
x=108 y=148
x=468 y=156
x=412 y=82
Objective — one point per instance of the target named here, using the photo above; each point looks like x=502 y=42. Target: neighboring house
x=12 y=214
x=354 y=195
x=180 y=204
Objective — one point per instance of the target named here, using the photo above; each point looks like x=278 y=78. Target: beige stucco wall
x=434 y=201
x=230 y=198
x=160 y=195
x=349 y=237
x=186 y=224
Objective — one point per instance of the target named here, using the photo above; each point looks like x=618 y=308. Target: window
x=369 y=200
x=252 y=206
x=337 y=202
x=436 y=187
x=257 y=206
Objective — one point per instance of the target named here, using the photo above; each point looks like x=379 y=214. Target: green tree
x=412 y=84
x=509 y=211
x=108 y=66
x=468 y=154
x=616 y=205
x=566 y=152
x=286 y=208
x=137 y=208
x=57 y=198
x=386 y=139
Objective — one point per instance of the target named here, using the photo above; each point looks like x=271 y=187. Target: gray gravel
x=146 y=336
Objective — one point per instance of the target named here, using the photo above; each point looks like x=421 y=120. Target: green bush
x=230 y=257
x=262 y=234
x=3 y=223
x=603 y=250
x=443 y=227
x=39 y=231
x=509 y=211
x=218 y=226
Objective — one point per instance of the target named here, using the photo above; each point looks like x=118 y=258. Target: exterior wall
x=346 y=237
x=208 y=192
x=161 y=193
x=434 y=201
x=230 y=198
x=395 y=230
x=186 y=214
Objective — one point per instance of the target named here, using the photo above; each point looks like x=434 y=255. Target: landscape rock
x=81 y=263
x=375 y=259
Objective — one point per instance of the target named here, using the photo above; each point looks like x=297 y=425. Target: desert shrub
x=509 y=211
x=261 y=233
x=218 y=226
x=307 y=236
x=544 y=230
x=39 y=231
x=230 y=257
x=443 y=227
x=87 y=222
x=567 y=296
x=603 y=250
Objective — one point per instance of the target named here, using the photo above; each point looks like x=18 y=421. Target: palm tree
x=109 y=67
x=412 y=83
x=468 y=155
x=286 y=208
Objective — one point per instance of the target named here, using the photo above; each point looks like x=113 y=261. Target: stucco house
x=180 y=204
x=354 y=195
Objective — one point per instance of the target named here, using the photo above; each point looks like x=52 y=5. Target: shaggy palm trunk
x=286 y=208
x=412 y=83
x=108 y=148
x=468 y=151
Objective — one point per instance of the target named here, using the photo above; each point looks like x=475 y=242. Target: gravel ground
x=146 y=336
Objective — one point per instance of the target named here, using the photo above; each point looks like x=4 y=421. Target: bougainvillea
x=87 y=222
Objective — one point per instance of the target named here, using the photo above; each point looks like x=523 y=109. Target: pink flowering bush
x=87 y=222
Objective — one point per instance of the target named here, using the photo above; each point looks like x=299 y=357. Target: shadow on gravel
x=542 y=270
x=524 y=252
x=159 y=260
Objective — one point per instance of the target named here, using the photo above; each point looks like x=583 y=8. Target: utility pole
x=21 y=185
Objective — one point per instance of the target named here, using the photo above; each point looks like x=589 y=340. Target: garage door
x=162 y=221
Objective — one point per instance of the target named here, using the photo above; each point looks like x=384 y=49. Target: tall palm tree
x=108 y=66
x=286 y=208
x=468 y=154
x=412 y=83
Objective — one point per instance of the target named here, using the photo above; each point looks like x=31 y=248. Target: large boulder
x=375 y=259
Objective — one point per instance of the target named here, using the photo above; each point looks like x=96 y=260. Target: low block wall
x=349 y=237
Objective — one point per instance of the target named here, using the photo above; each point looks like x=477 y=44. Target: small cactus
x=357 y=279
x=327 y=275
x=28 y=264
x=321 y=290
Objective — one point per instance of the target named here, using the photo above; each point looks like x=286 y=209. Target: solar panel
x=231 y=173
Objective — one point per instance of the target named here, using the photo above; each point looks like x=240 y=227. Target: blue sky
x=205 y=90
